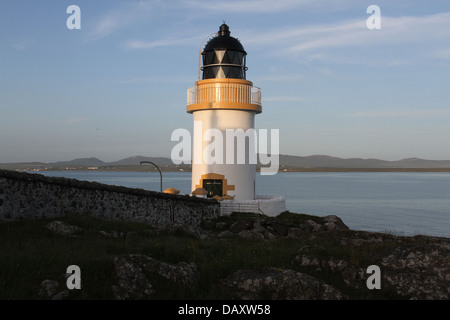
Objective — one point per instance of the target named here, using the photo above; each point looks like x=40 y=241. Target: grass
x=29 y=254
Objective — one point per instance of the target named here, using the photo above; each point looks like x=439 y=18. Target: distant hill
x=286 y=161
x=89 y=162
x=323 y=161
x=136 y=160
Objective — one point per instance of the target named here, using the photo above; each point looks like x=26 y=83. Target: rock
x=226 y=234
x=260 y=228
x=183 y=273
x=276 y=284
x=280 y=227
x=411 y=267
x=333 y=222
x=418 y=272
x=315 y=227
x=63 y=228
x=240 y=225
x=251 y=235
x=352 y=275
x=298 y=232
x=63 y=295
x=307 y=261
x=113 y=234
x=220 y=225
x=133 y=284
x=194 y=231
x=49 y=288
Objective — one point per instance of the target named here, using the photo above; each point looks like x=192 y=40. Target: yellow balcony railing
x=224 y=93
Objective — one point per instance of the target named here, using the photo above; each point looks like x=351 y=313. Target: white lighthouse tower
x=223 y=102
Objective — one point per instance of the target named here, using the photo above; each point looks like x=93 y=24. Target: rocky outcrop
x=273 y=228
x=133 y=284
x=331 y=262
x=63 y=228
x=276 y=284
x=411 y=267
x=418 y=271
x=50 y=289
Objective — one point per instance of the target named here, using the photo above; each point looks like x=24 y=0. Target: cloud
x=321 y=42
x=121 y=17
x=246 y=6
x=22 y=45
x=442 y=54
x=142 y=44
x=172 y=79
x=402 y=113
x=280 y=77
x=287 y=98
x=76 y=120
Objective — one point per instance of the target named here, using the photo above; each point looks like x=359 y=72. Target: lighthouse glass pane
x=235 y=59
x=239 y=58
x=208 y=58
x=226 y=71
x=208 y=73
x=229 y=56
x=219 y=56
x=220 y=73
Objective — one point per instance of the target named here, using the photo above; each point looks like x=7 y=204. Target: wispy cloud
x=418 y=113
x=280 y=77
x=23 y=44
x=142 y=44
x=246 y=6
x=76 y=120
x=121 y=17
x=173 y=79
x=287 y=98
x=315 y=41
x=442 y=54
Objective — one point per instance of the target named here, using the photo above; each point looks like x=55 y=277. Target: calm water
x=401 y=202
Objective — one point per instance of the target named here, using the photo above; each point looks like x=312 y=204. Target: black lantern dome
x=224 y=56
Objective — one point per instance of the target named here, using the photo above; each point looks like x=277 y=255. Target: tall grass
x=30 y=253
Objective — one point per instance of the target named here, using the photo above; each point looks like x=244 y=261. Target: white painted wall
x=267 y=205
x=242 y=176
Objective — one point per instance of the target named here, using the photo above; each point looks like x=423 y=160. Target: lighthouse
x=224 y=104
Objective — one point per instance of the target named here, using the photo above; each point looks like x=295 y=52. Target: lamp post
x=160 y=174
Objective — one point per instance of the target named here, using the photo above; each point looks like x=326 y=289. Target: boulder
x=63 y=228
x=333 y=222
x=48 y=288
x=276 y=284
x=251 y=235
x=418 y=272
x=240 y=225
x=133 y=284
x=131 y=279
x=226 y=234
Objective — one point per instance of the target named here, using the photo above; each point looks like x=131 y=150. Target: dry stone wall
x=25 y=195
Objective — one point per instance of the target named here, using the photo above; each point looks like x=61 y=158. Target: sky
x=116 y=87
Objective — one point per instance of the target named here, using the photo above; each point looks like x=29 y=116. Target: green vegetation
x=30 y=253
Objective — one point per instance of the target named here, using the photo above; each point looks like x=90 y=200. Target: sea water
x=402 y=203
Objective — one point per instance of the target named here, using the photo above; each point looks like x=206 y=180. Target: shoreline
x=141 y=169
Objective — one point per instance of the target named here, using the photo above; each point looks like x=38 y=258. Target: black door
x=213 y=187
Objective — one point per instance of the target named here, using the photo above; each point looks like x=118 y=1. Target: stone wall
x=24 y=195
